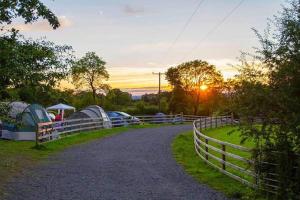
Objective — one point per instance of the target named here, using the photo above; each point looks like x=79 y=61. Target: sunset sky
x=138 y=37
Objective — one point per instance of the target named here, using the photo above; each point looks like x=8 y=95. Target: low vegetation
x=184 y=153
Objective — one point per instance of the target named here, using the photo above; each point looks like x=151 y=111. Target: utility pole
x=159 y=88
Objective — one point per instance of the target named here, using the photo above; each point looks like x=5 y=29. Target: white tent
x=61 y=107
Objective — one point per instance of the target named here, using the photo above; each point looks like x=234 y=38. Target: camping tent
x=92 y=112
x=16 y=108
x=28 y=118
x=32 y=115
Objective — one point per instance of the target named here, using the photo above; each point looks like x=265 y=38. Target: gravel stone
x=137 y=164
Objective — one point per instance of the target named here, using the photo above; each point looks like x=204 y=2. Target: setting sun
x=203 y=87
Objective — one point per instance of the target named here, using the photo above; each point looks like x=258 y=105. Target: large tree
x=29 y=67
x=26 y=63
x=189 y=77
x=29 y=10
x=275 y=101
x=90 y=72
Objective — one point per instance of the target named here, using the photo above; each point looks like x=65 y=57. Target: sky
x=138 y=37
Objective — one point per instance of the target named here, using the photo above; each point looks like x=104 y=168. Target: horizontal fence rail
x=54 y=130
x=230 y=159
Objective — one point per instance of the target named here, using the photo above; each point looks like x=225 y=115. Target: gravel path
x=137 y=164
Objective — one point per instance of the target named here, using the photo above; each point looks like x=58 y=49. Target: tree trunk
x=94 y=95
x=196 y=104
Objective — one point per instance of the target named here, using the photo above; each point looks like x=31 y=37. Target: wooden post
x=223 y=157
x=1 y=128
x=231 y=118
x=37 y=135
x=181 y=117
x=200 y=122
x=206 y=149
x=205 y=122
x=216 y=122
x=211 y=123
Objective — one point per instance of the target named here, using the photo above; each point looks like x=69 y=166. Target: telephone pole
x=159 y=88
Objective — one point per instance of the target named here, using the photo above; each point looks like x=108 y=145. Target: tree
x=33 y=66
x=29 y=10
x=90 y=72
x=275 y=101
x=190 y=76
x=118 y=97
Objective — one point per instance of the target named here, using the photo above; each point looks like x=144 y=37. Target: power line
x=211 y=31
x=184 y=27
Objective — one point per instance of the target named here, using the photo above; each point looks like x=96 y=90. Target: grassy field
x=184 y=153
x=18 y=155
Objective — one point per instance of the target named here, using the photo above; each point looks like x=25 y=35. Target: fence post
x=37 y=135
x=223 y=157
x=200 y=123
x=211 y=123
x=206 y=149
x=231 y=118
x=181 y=117
x=1 y=128
x=205 y=122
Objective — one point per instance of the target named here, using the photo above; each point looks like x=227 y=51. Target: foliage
x=31 y=65
x=4 y=111
x=186 y=80
x=274 y=102
x=29 y=10
x=90 y=72
x=118 y=98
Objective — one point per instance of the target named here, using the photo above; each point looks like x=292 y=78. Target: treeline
x=264 y=96
x=31 y=71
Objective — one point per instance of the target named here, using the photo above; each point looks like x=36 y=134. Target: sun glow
x=203 y=87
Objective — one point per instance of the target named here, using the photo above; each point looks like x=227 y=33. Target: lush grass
x=18 y=155
x=229 y=134
x=184 y=153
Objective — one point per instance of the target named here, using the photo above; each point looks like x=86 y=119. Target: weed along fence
x=230 y=159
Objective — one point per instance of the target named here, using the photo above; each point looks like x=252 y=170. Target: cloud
x=42 y=25
x=131 y=10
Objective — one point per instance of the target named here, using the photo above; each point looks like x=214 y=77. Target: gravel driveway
x=136 y=164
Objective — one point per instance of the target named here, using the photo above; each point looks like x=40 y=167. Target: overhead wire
x=211 y=31
x=189 y=19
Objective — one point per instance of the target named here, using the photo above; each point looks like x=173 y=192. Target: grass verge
x=19 y=155
x=184 y=153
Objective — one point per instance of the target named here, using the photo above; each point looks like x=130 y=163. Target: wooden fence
x=54 y=130
x=230 y=159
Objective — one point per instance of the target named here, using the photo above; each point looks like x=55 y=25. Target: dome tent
x=92 y=111
x=28 y=117
x=16 y=108
x=32 y=115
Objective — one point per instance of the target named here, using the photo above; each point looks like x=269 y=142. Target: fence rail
x=230 y=159
x=54 y=130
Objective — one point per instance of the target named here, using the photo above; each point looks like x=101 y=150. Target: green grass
x=184 y=153
x=229 y=134
x=19 y=155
